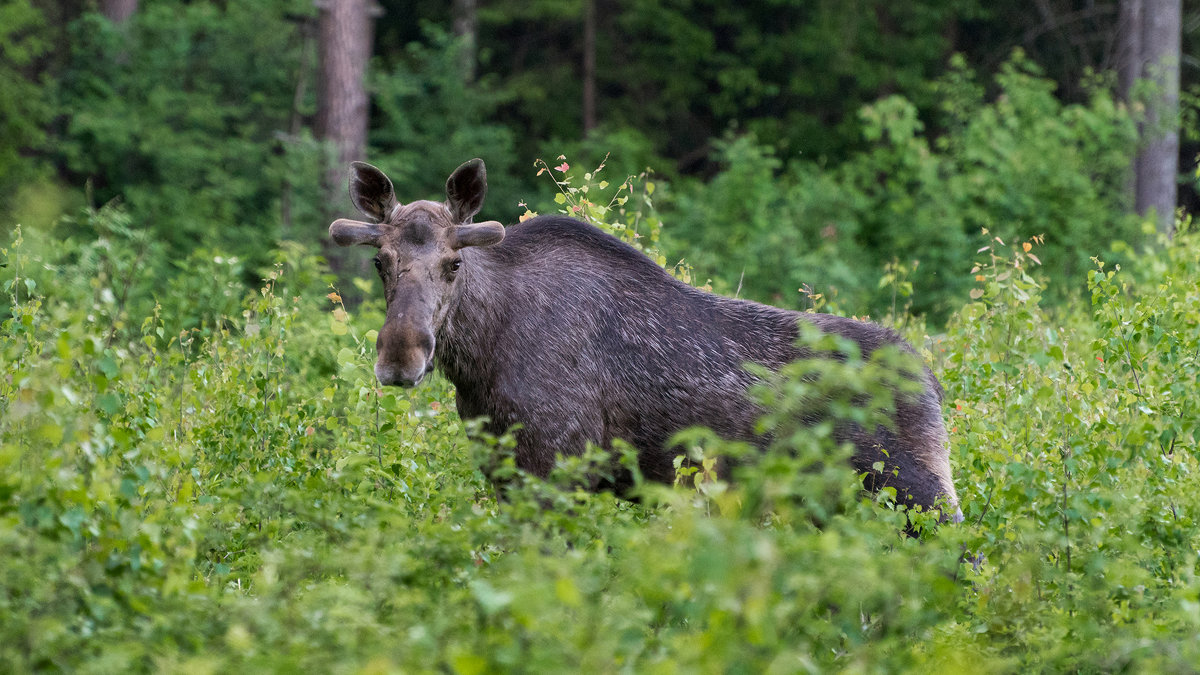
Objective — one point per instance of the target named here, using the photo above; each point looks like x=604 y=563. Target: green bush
x=23 y=105
x=185 y=114
x=1019 y=165
x=235 y=493
x=430 y=120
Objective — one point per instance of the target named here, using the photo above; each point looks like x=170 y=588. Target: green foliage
x=839 y=156
x=23 y=105
x=430 y=120
x=790 y=73
x=627 y=212
x=766 y=237
x=187 y=115
x=233 y=492
x=198 y=471
x=1068 y=432
x=1023 y=163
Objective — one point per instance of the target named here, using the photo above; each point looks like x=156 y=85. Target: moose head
x=419 y=261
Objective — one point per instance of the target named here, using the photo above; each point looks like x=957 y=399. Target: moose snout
x=406 y=375
x=404 y=356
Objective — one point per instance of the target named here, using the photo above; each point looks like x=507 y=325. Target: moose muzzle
x=405 y=354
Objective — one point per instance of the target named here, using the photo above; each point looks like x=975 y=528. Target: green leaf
x=567 y=592
x=490 y=599
x=109 y=403
x=105 y=364
x=347 y=357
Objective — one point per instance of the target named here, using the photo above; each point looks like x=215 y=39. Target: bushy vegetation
x=786 y=161
x=1020 y=163
x=202 y=138
x=217 y=487
x=198 y=471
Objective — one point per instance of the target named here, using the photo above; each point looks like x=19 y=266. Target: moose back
x=578 y=337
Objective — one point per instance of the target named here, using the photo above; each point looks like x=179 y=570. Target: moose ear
x=371 y=191
x=482 y=234
x=350 y=232
x=465 y=190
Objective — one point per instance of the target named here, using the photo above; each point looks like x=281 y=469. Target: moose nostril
x=391 y=376
x=385 y=374
x=403 y=375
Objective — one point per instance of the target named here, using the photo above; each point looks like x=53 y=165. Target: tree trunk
x=1129 y=46
x=1149 y=48
x=118 y=11
x=466 y=28
x=344 y=36
x=589 y=66
x=1158 y=162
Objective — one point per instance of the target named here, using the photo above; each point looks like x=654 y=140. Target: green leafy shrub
x=1021 y=164
x=186 y=115
x=234 y=493
x=766 y=237
x=430 y=120
x=24 y=107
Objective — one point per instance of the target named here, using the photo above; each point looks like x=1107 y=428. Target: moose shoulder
x=578 y=337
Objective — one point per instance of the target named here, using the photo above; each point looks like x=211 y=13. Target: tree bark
x=118 y=11
x=466 y=28
x=344 y=35
x=589 y=66
x=1129 y=46
x=1157 y=186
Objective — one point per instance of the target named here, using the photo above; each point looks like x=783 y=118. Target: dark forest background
x=817 y=145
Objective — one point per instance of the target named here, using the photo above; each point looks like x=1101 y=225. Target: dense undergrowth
x=211 y=483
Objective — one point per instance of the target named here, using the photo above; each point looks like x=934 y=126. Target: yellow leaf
x=468 y=664
x=567 y=592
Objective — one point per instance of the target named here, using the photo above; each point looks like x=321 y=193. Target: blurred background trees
x=1148 y=34
x=796 y=144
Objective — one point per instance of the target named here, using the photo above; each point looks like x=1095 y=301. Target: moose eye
x=378 y=265
x=455 y=265
x=450 y=269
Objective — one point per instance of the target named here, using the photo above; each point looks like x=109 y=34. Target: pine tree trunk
x=344 y=34
x=1129 y=46
x=1148 y=48
x=1158 y=161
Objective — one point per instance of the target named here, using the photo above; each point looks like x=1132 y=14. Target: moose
x=578 y=337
